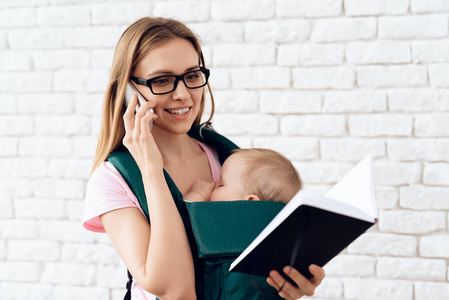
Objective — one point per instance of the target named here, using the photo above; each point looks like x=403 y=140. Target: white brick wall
x=325 y=82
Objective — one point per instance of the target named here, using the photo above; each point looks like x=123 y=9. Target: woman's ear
x=252 y=197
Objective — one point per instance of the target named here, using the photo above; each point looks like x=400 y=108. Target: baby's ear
x=252 y=197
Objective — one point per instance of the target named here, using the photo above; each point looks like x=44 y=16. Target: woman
x=163 y=59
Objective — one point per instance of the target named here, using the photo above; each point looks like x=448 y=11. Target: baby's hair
x=269 y=174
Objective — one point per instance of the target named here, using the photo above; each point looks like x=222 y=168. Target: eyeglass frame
x=147 y=82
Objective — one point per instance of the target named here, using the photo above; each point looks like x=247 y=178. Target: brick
x=23 y=167
x=429 y=6
x=277 y=31
x=20 y=271
x=62 y=125
x=436 y=174
x=431 y=290
x=289 y=102
x=322 y=172
x=8 y=104
x=18 y=229
x=110 y=276
x=413 y=27
x=235 y=101
x=218 y=32
x=329 y=288
x=323 y=78
x=9 y=146
x=411 y=268
x=101 y=58
x=25 y=82
x=430 y=51
x=39 y=208
x=64 y=231
x=80 y=80
x=411 y=222
x=45 y=146
x=310 y=54
x=247 y=10
x=68 y=273
x=434 y=246
x=75 y=208
x=15 y=61
x=392 y=76
x=390 y=173
x=386 y=197
x=17 y=17
x=418 y=100
x=71 y=15
x=36 y=38
x=438 y=74
x=374 y=7
x=61 y=59
x=374 y=289
x=330 y=125
x=260 y=77
x=95 y=254
x=221 y=79
x=33 y=250
x=15 y=187
x=343 y=29
x=421 y=197
x=70 y=168
x=59 y=188
x=2 y=252
x=55 y=103
x=244 y=124
x=119 y=13
x=77 y=292
x=6 y=212
x=92 y=37
x=84 y=147
x=380 y=125
x=292 y=147
x=391 y=245
x=185 y=11
x=351 y=265
x=16 y=125
x=235 y=55
x=418 y=149
x=242 y=141
x=89 y=104
x=31 y=291
x=355 y=101
x=378 y=52
x=350 y=150
x=432 y=125
x=22 y=3
x=302 y=8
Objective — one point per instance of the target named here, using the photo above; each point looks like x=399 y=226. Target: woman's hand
x=138 y=138
x=305 y=287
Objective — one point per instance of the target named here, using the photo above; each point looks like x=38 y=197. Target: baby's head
x=257 y=174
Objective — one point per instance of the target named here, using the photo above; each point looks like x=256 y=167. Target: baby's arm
x=200 y=191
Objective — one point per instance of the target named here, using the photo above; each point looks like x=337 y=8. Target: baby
x=251 y=174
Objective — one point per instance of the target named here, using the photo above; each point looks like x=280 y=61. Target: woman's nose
x=181 y=92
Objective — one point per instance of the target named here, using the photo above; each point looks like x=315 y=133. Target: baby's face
x=230 y=186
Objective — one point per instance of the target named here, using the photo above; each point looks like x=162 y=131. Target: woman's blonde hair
x=137 y=41
x=269 y=175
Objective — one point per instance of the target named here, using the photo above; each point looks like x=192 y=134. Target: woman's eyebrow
x=170 y=72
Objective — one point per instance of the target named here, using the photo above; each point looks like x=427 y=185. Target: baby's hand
x=200 y=191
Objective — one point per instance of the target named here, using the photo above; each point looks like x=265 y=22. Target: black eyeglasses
x=166 y=84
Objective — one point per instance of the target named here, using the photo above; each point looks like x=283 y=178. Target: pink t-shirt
x=107 y=191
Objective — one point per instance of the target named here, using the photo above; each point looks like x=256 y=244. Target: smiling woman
x=163 y=60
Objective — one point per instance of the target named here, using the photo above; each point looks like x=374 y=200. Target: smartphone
x=130 y=90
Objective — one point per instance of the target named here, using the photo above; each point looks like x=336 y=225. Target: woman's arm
x=158 y=257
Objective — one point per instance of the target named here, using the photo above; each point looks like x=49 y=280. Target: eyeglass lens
x=165 y=84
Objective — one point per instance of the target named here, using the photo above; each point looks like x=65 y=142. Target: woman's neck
x=173 y=146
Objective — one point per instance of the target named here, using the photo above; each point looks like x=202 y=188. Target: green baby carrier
x=217 y=231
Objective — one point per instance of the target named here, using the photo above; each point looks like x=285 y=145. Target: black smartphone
x=130 y=90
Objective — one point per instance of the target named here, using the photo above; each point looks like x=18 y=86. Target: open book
x=313 y=229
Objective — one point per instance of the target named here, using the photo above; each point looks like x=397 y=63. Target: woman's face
x=178 y=109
